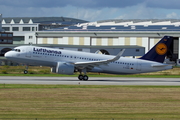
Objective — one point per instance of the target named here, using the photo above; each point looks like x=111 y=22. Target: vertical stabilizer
x=159 y=51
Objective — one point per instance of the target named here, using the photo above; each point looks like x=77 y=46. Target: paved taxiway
x=92 y=81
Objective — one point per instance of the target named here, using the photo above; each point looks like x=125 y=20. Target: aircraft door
x=138 y=65
x=28 y=52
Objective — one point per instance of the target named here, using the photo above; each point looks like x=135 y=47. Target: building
x=23 y=26
x=5 y=38
x=0 y=22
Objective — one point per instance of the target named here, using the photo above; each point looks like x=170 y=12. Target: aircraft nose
x=8 y=54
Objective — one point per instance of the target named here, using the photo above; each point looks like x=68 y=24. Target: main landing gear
x=83 y=77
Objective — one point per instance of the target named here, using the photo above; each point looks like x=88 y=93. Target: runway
x=92 y=81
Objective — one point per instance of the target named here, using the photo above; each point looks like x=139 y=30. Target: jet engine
x=63 y=68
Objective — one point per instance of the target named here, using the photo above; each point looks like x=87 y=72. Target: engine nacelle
x=63 y=68
x=53 y=69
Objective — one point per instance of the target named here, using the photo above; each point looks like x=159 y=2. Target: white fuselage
x=32 y=55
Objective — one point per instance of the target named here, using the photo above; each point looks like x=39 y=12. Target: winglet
x=118 y=55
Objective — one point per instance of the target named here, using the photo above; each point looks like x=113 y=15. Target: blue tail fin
x=159 y=51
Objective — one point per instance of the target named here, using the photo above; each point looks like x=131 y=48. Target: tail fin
x=159 y=51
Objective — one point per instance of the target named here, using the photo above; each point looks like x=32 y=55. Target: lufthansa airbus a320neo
x=66 y=62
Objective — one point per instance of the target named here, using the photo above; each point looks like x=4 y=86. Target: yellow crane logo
x=161 y=48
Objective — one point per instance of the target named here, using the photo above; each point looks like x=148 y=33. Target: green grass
x=34 y=86
x=90 y=101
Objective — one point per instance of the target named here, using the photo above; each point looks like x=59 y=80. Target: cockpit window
x=17 y=50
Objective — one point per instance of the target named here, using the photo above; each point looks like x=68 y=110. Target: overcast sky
x=92 y=10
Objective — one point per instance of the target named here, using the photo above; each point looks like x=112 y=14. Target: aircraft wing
x=92 y=64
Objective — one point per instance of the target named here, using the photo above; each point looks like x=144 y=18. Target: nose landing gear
x=26 y=70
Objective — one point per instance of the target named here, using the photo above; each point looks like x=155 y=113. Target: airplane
x=68 y=62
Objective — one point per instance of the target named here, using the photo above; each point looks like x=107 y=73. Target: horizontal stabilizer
x=160 y=65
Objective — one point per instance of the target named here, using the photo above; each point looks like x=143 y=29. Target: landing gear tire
x=80 y=77
x=25 y=72
x=85 y=77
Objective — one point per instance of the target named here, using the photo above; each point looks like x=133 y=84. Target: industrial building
x=5 y=38
x=108 y=36
x=22 y=26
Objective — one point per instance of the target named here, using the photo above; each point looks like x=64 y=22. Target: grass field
x=82 y=101
x=88 y=102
